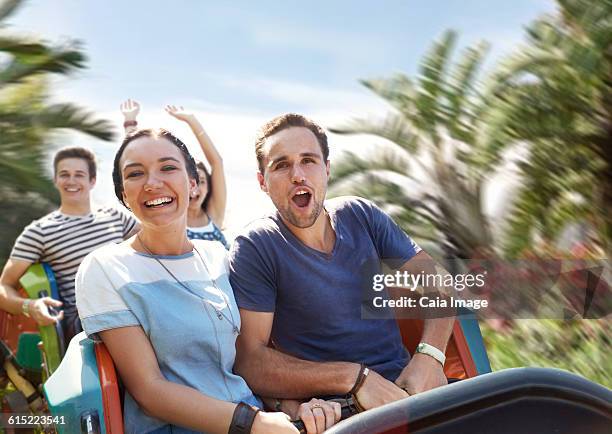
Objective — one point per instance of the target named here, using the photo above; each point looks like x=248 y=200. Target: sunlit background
x=239 y=65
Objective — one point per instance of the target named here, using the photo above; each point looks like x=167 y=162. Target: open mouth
x=301 y=198
x=72 y=189
x=159 y=202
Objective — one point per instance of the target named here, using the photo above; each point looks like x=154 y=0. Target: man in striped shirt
x=62 y=239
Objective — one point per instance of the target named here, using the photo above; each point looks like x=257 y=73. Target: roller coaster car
x=30 y=354
x=513 y=401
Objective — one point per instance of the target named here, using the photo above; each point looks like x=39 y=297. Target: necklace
x=207 y=303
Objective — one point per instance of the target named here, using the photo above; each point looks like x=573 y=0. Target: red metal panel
x=11 y=326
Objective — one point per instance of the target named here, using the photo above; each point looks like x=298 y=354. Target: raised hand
x=179 y=112
x=130 y=109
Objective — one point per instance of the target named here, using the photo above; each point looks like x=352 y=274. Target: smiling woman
x=157 y=177
x=164 y=307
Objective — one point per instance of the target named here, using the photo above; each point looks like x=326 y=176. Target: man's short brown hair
x=76 y=152
x=283 y=122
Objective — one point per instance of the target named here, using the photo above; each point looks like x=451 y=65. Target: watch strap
x=431 y=351
x=243 y=418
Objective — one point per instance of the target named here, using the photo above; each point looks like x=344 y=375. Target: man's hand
x=180 y=113
x=422 y=373
x=377 y=390
x=130 y=110
x=40 y=312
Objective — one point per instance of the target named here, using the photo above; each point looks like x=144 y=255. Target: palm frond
x=59 y=61
x=414 y=215
x=460 y=89
x=8 y=8
x=397 y=90
x=393 y=128
x=69 y=116
x=433 y=81
x=385 y=160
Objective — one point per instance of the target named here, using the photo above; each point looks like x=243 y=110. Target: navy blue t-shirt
x=316 y=298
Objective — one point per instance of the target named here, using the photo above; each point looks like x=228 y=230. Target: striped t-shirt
x=63 y=241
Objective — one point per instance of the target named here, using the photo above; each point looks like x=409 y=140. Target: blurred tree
x=557 y=96
x=428 y=173
x=27 y=121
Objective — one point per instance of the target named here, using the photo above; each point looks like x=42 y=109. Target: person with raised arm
x=163 y=306
x=207 y=203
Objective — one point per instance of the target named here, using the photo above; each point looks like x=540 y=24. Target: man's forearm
x=10 y=300
x=437 y=331
x=272 y=373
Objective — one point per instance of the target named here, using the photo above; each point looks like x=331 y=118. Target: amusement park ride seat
x=84 y=390
x=21 y=334
x=29 y=353
x=512 y=401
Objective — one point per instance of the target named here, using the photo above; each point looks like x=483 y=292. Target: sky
x=238 y=64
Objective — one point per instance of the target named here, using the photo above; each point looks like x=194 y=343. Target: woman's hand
x=319 y=415
x=277 y=423
x=130 y=110
x=180 y=113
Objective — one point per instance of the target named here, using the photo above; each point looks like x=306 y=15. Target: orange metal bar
x=111 y=400
x=463 y=351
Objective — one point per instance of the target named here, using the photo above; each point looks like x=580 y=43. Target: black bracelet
x=243 y=418
x=363 y=373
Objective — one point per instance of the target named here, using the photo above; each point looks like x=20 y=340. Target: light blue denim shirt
x=191 y=327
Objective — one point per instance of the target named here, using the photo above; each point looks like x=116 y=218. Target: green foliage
x=28 y=123
x=556 y=94
x=434 y=129
x=579 y=346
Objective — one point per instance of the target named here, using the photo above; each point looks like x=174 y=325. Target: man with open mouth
x=62 y=239
x=298 y=278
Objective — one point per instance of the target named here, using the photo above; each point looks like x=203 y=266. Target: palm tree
x=429 y=173
x=27 y=122
x=557 y=95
